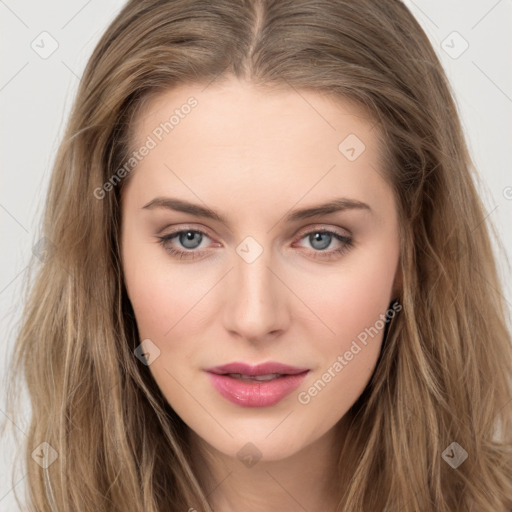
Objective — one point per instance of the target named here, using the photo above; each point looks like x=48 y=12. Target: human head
x=371 y=53
x=281 y=300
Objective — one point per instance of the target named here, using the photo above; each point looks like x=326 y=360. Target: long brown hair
x=444 y=372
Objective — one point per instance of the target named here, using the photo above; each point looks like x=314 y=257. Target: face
x=228 y=257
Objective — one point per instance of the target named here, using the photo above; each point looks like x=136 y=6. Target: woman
x=268 y=284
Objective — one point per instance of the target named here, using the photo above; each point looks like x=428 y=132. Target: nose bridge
x=254 y=306
x=252 y=275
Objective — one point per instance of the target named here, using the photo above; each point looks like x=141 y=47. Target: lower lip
x=252 y=393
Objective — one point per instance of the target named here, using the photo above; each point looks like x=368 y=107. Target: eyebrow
x=335 y=205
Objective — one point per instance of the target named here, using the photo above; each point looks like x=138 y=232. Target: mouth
x=268 y=370
x=262 y=385
x=257 y=378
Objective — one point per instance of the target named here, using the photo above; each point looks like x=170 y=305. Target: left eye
x=190 y=239
x=324 y=238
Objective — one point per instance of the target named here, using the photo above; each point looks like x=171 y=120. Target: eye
x=190 y=240
x=321 y=239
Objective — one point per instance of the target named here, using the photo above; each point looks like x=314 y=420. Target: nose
x=257 y=304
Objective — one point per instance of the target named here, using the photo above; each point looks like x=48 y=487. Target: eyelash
x=192 y=254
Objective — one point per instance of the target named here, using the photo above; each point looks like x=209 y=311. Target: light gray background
x=36 y=95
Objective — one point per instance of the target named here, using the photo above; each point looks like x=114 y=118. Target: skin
x=254 y=155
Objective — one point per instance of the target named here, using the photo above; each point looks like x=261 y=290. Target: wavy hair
x=444 y=372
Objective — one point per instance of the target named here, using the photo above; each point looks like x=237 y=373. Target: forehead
x=237 y=111
x=255 y=144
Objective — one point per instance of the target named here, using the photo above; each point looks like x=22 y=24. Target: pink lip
x=252 y=393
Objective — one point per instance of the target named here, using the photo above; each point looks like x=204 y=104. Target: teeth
x=270 y=376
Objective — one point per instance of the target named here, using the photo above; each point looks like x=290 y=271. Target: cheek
x=168 y=312
x=353 y=305
x=167 y=305
x=163 y=297
x=348 y=357
x=169 y=302
x=354 y=298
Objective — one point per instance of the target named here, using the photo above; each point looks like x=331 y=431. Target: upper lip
x=259 y=369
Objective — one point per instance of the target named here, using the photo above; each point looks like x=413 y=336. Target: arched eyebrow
x=333 y=206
